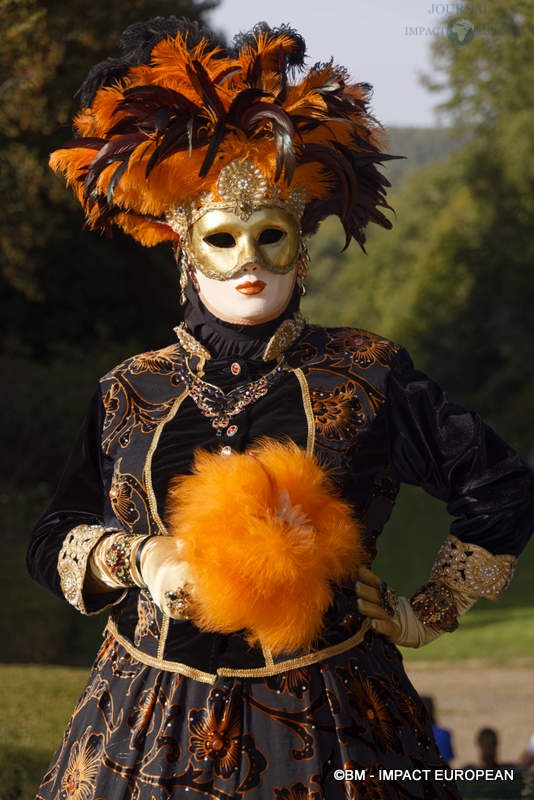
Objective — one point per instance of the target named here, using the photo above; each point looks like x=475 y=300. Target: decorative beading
x=118 y=556
x=72 y=561
x=219 y=406
x=285 y=335
x=435 y=605
x=472 y=570
x=190 y=344
x=241 y=188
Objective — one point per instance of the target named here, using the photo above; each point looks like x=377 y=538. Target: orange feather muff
x=267 y=537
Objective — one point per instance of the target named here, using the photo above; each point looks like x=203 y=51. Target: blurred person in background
x=442 y=736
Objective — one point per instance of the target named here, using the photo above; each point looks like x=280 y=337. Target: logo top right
x=461 y=31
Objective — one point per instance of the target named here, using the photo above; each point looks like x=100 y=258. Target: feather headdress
x=158 y=126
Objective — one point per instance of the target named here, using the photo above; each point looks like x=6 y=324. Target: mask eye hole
x=220 y=240
x=271 y=236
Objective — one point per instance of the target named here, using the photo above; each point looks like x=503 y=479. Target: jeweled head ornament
x=180 y=123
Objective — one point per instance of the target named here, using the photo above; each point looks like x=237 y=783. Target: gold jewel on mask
x=241 y=188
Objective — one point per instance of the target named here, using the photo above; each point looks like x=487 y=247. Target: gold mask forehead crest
x=242 y=188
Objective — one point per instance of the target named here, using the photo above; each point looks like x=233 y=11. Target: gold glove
x=152 y=562
x=462 y=573
x=395 y=618
x=167 y=576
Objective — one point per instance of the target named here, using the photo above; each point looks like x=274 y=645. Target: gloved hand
x=114 y=564
x=395 y=618
x=167 y=576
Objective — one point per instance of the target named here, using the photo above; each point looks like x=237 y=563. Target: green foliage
x=492 y=77
x=419 y=147
x=48 y=50
x=39 y=627
x=453 y=281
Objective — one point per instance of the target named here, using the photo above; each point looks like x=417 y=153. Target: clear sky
x=374 y=39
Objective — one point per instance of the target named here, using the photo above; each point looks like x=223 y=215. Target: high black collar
x=225 y=340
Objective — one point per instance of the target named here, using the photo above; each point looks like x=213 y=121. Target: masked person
x=226 y=493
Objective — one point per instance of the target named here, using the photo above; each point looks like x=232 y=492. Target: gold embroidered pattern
x=472 y=570
x=306 y=400
x=190 y=344
x=285 y=335
x=72 y=561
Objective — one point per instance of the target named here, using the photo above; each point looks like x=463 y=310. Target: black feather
x=137 y=42
x=205 y=87
x=248 y=39
x=89 y=142
x=215 y=142
x=150 y=98
x=119 y=149
x=115 y=178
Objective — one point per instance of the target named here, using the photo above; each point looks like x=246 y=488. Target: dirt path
x=469 y=696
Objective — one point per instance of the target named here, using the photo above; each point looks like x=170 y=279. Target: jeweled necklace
x=219 y=406
x=213 y=402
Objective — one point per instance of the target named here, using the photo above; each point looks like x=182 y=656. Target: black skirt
x=140 y=733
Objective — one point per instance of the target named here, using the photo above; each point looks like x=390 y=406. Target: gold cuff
x=114 y=561
x=471 y=570
x=72 y=561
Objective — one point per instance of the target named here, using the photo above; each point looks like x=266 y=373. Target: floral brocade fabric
x=144 y=734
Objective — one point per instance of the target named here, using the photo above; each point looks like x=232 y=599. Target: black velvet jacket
x=349 y=396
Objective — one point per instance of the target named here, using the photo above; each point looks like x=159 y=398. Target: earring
x=303 y=264
x=183 y=273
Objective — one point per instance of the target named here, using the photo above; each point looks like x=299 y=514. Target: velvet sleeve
x=454 y=456
x=80 y=499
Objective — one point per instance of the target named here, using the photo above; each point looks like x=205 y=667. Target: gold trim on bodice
x=260 y=672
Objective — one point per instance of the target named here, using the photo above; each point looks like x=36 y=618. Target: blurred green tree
x=453 y=280
x=59 y=284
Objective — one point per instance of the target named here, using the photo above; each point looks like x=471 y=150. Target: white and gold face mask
x=245 y=269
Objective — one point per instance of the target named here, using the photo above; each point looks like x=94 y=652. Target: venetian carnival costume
x=226 y=492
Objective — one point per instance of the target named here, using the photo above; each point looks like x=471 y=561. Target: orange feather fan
x=158 y=125
x=267 y=537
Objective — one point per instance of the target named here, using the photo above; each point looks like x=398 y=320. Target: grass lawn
x=36 y=702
